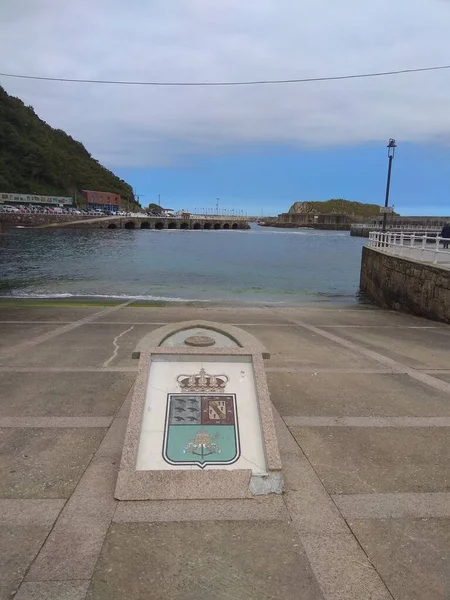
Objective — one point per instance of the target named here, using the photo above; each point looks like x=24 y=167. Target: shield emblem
x=201 y=430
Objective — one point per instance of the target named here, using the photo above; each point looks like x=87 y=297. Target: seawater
x=261 y=265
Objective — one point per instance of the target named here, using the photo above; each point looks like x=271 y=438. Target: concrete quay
x=361 y=398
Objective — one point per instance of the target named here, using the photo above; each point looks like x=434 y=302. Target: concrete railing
x=416 y=246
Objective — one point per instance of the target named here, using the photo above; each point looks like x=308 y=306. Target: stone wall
x=322 y=226
x=360 y=231
x=402 y=284
x=36 y=220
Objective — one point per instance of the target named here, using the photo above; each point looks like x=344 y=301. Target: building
x=101 y=200
x=26 y=199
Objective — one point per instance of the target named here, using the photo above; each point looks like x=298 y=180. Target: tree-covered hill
x=37 y=159
x=340 y=206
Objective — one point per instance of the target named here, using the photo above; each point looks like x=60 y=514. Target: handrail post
x=424 y=243
x=411 y=244
x=436 y=251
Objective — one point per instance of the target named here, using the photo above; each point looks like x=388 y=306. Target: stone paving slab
x=417 y=565
x=354 y=394
x=24 y=525
x=61 y=422
x=85 y=346
x=417 y=348
x=352 y=460
x=59 y=314
x=392 y=506
x=14 y=333
x=361 y=422
x=200 y=561
x=53 y=590
x=30 y=511
x=344 y=569
x=44 y=463
x=442 y=376
x=18 y=547
x=263 y=508
x=71 y=550
x=354 y=316
x=170 y=314
x=63 y=394
x=306 y=348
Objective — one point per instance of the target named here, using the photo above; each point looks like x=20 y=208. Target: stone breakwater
x=141 y=222
x=403 y=284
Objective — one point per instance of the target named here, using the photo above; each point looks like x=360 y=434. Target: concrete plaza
x=362 y=406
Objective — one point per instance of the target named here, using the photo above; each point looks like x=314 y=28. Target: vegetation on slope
x=340 y=206
x=37 y=159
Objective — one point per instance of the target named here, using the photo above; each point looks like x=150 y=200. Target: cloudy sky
x=255 y=147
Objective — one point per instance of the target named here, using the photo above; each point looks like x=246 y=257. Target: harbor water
x=258 y=266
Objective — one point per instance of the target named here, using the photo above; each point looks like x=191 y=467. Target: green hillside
x=37 y=159
x=343 y=207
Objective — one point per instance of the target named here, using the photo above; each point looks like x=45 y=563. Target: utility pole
x=217 y=206
x=391 y=152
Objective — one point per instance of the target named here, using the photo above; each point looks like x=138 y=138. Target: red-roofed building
x=101 y=200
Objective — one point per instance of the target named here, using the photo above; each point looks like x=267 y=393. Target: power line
x=225 y=83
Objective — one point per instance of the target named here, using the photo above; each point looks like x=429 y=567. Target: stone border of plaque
x=213 y=408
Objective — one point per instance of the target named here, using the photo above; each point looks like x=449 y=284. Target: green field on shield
x=179 y=437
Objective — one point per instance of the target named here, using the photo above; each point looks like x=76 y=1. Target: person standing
x=445 y=233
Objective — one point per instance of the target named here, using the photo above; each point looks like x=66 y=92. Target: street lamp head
x=391 y=147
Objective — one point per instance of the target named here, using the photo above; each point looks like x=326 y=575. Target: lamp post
x=391 y=152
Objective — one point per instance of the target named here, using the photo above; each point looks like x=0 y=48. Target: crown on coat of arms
x=202 y=382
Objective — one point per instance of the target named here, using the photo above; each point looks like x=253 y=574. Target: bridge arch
x=145 y=225
x=226 y=226
x=172 y=225
x=159 y=225
x=184 y=225
x=197 y=226
x=112 y=226
x=130 y=225
x=207 y=225
x=216 y=225
x=234 y=226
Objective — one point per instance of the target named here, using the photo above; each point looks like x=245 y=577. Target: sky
x=256 y=148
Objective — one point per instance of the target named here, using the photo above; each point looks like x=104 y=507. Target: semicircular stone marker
x=199 y=340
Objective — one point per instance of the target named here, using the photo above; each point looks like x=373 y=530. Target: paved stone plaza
x=362 y=406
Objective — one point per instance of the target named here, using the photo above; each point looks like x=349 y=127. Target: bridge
x=158 y=223
x=132 y=222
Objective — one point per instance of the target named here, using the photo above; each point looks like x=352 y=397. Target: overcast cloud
x=210 y=40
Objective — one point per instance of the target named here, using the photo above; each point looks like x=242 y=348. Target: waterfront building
x=108 y=201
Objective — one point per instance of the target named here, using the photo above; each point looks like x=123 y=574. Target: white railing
x=421 y=247
x=404 y=228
